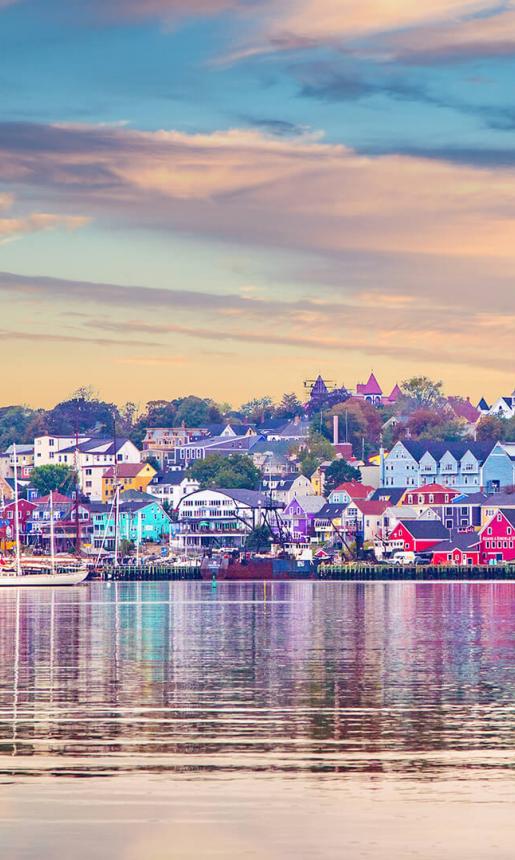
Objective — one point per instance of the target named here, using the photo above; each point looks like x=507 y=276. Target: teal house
x=138 y=521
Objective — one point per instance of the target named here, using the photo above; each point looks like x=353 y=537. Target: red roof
x=374 y=508
x=396 y=393
x=430 y=489
x=372 y=386
x=57 y=498
x=464 y=409
x=355 y=489
x=125 y=470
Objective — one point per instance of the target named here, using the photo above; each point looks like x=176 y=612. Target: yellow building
x=129 y=476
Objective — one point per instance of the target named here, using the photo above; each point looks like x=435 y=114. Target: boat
x=248 y=567
x=30 y=570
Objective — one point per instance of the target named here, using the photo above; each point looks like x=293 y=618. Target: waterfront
x=303 y=719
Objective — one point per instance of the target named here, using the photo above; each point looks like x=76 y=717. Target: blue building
x=138 y=521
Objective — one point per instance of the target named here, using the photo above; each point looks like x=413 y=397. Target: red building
x=498 y=537
x=459 y=549
x=417 y=535
x=430 y=494
x=8 y=531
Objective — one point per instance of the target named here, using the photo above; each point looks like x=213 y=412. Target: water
x=147 y=721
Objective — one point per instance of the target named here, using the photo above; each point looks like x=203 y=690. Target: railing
x=413 y=573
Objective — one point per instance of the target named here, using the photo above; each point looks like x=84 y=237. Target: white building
x=212 y=519
x=172 y=487
x=91 y=457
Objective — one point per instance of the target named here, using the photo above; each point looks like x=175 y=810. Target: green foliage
x=337 y=473
x=195 y=412
x=53 y=477
x=495 y=428
x=420 y=391
x=126 y=547
x=310 y=454
x=17 y=424
x=289 y=407
x=236 y=472
x=83 y=412
x=258 y=410
x=191 y=411
x=359 y=423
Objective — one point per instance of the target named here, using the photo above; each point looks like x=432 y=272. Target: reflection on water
x=249 y=700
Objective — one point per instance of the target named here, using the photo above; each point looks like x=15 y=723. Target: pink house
x=498 y=538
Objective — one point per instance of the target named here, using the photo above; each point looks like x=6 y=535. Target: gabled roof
x=319 y=388
x=354 y=489
x=125 y=470
x=467 y=540
x=172 y=478
x=392 y=494
x=371 y=387
x=373 y=508
x=428 y=489
x=464 y=409
x=309 y=504
x=426 y=529
x=331 y=511
x=473 y=499
x=483 y=405
x=57 y=499
x=395 y=394
x=480 y=450
x=500 y=500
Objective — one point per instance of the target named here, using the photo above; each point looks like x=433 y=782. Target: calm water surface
x=173 y=720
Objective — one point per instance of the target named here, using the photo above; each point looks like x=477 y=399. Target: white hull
x=72 y=578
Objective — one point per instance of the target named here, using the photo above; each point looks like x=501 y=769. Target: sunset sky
x=225 y=197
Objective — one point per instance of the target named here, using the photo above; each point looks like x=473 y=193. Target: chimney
x=335 y=430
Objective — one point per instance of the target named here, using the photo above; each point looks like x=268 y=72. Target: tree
x=17 y=424
x=53 y=477
x=337 y=473
x=234 y=472
x=258 y=410
x=82 y=412
x=310 y=454
x=490 y=428
x=196 y=412
x=437 y=425
x=360 y=424
x=289 y=407
x=420 y=391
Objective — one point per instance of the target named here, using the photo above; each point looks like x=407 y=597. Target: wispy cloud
x=14 y=227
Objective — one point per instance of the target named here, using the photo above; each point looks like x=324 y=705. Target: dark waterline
x=156 y=720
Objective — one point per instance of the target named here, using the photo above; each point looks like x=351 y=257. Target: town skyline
x=212 y=189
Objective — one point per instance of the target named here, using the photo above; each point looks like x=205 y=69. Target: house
x=296 y=430
x=417 y=536
x=371 y=391
x=349 y=491
x=286 y=489
x=369 y=517
x=458 y=550
x=8 y=518
x=6 y=491
x=183 y=456
x=504 y=407
x=24 y=461
x=159 y=442
x=126 y=476
x=464 y=512
x=138 y=521
x=458 y=465
x=428 y=496
x=300 y=514
x=91 y=456
x=170 y=487
x=222 y=518
x=493 y=504
x=393 y=495
x=497 y=538
x=65 y=512
x=498 y=471
x=328 y=522
x=464 y=410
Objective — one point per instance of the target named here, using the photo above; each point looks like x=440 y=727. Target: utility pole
x=116 y=494
x=16 y=513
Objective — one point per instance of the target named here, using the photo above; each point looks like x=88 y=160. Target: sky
x=228 y=197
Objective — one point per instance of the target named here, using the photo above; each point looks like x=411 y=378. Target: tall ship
x=29 y=570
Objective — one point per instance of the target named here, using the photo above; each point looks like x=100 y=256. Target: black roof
x=331 y=511
x=467 y=540
x=390 y=494
x=430 y=529
x=480 y=450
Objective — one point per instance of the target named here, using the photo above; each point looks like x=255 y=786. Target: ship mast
x=16 y=513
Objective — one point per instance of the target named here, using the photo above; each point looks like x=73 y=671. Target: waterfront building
x=498 y=537
x=418 y=535
x=222 y=518
x=458 y=550
x=299 y=516
x=138 y=521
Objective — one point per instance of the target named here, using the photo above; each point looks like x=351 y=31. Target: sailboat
x=60 y=570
